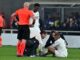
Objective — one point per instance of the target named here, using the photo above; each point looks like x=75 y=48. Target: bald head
x=26 y=4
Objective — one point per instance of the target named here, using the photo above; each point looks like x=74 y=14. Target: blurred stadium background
x=61 y=15
x=55 y=14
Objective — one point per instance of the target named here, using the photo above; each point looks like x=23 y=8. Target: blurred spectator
x=57 y=23
x=70 y=24
x=50 y=22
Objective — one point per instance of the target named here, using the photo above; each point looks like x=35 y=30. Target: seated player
x=48 y=40
x=58 y=48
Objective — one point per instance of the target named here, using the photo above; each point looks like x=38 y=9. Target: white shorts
x=59 y=54
x=35 y=32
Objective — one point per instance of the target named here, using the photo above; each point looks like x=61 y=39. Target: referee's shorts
x=23 y=32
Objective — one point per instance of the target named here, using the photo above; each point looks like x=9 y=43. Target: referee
x=24 y=15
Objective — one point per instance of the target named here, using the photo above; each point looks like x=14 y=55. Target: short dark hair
x=43 y=32
x=37 y=4
x=56 y=32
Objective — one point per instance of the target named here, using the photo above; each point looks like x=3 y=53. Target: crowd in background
x=71 y=22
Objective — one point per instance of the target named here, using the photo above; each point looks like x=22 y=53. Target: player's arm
x=37 y=15
x=4 y=24
x=13 y=16
x=35 y=18
x=32 y=17
x=56 y=43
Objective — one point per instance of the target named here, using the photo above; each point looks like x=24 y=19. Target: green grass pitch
x=9 y=53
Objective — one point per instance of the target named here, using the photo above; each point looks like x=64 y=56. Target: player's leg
x=34 y=47
x=38 y=37
x=36 y=44
x=25 y=38
x=0 y=41
x=0 y=37
x=51 y=49
x=19 y=40
x=22 y=46
x=18 y=47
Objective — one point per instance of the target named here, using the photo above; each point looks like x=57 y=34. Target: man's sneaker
x=32 y=55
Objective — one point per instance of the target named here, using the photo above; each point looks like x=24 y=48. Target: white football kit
x=60 y=45
x=43 y=49
x=35 y=30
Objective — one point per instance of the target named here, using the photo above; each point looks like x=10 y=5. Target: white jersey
x=43 y=49
x=61 y=48
x=45 y=40
x=36 y=15
x=35 y=30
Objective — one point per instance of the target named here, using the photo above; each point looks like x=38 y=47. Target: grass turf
x=9 y=53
